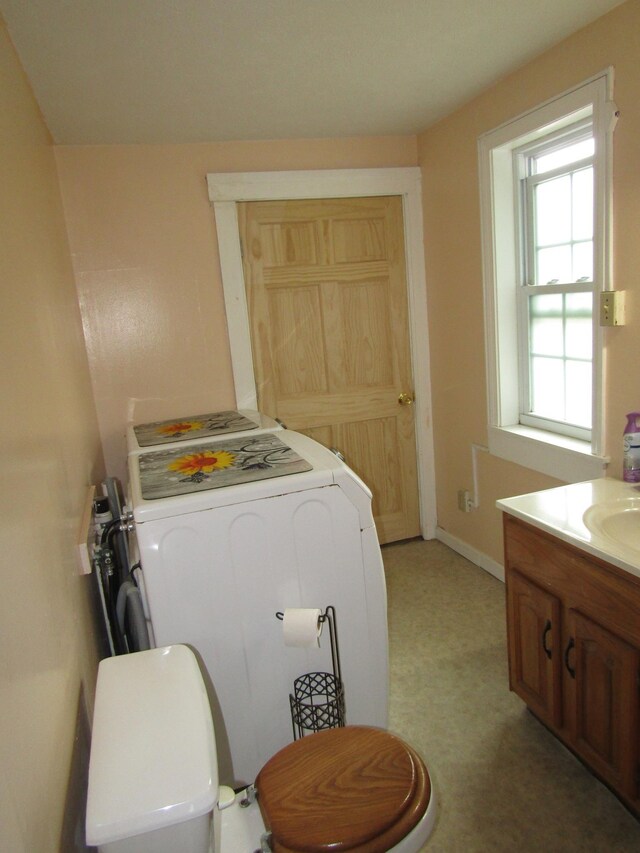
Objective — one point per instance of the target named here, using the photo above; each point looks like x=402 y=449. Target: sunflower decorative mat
x=181 y=471
x=189 y=428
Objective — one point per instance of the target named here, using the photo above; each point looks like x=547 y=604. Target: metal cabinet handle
x=545 y=633
x=567 y=652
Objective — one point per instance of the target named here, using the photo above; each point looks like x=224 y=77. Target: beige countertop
x=562 y=511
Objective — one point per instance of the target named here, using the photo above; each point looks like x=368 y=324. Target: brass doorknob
x=405 y=400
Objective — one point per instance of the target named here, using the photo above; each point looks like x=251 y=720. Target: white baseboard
x=482 y=560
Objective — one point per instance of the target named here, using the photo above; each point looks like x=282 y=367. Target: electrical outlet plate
x=612 y=308
x=465 y=502
x=86 y=534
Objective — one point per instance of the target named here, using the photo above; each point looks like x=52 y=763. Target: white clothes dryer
x=285 y=524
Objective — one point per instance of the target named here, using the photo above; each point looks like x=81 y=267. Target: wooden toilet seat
x=355 y=789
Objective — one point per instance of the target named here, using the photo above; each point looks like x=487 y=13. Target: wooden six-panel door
x=327 y=302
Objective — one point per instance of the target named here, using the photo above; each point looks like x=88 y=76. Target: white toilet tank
x=153 y=779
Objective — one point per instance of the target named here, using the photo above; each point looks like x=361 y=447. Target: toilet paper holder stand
x=317 y=701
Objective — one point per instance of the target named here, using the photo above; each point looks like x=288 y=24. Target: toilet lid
x=349 y=789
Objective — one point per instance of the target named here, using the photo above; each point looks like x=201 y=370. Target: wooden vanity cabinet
x=573 y=626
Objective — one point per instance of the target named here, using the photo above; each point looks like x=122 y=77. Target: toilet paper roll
x=301 y=626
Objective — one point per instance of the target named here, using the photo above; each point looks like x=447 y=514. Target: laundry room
x=117 y=283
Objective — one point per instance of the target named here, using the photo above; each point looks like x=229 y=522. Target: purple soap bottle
x=631 y=444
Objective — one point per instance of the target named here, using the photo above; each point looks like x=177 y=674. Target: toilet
x=154 y=788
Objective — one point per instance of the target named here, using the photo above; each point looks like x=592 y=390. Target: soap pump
x=631 y=444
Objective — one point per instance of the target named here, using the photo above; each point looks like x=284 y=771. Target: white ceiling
x=133 y=71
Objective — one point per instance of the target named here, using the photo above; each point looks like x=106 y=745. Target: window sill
x=566 y=459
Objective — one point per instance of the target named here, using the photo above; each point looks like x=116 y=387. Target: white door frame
x=228 y=188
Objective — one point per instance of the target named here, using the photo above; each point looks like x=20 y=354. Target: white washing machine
x=196 y=429
x=285 y=524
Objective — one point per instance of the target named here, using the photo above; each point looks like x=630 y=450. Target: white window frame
x=566 y=458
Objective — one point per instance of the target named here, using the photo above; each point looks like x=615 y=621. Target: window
x=554 y=194
x=544 y=181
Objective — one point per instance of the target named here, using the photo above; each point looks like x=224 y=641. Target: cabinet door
x=535 y=666
x=601 y=692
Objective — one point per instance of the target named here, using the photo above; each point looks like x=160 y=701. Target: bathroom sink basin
x=617 y=520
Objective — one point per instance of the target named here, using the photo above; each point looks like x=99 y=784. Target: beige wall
x=50 y=452
x=448 y=157
x=143 y=242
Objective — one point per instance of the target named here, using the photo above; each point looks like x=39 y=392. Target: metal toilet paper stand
x=317 y=701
